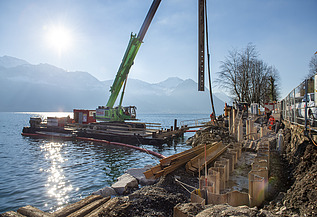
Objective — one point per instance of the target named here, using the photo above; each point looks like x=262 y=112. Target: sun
x=59 y=38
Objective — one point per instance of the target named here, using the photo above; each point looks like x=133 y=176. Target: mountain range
x=44 y=87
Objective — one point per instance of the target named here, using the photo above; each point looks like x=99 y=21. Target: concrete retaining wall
x=258 y=177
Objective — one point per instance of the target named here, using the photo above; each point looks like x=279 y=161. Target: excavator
x=109 y=113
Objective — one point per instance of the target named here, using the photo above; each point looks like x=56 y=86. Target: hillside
x=43 y=87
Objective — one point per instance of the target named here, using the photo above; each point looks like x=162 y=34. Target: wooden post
x=240 y=132
x=230 y=120
x=248 y=129
x=175 y=124
x=233 y=121
x=199 y=172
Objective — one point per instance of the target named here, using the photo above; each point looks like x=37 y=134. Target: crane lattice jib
x=127 y=62
x=130 y=53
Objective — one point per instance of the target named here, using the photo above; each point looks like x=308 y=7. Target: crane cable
x=208 y=59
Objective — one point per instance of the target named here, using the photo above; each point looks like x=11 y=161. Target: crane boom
x=109 y=113
x=127 y=62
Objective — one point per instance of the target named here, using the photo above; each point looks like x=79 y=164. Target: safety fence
x=195 y=123
x=299 y=106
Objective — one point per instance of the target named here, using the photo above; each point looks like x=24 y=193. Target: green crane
x=120 y=113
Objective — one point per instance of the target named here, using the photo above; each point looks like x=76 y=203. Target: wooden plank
x=189 y=167
x=212 y=154
x=156 y=168
x=31 y=211
x=148 y=174
x=181 y=161
x=110 y=205
x=175 y=166
x=175 y=161
x=201 y=156
x=89 y=208
x=159 y=174
x=76 y=206
x=167 y=160
x=96 y=212
x=185 y=154
x=157 y=171
x=215 y=155
x=11 y=214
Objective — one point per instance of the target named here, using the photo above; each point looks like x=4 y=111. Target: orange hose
x=124 y=145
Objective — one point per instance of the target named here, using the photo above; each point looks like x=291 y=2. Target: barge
x=84 y=125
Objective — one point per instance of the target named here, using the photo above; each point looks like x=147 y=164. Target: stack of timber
x=90 y=206
x=122 y=132
x=203 y=159
x=130 y=133
x=171 y=163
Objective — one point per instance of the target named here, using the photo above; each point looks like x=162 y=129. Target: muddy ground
x=292 y=186
x=298 y=183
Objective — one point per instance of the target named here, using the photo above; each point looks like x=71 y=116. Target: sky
x=93 y=35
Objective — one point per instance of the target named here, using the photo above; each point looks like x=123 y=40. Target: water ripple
x=50 y=174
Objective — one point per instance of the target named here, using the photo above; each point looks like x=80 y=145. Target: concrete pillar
x=280 y=143
x=247 y=131
x=252 y=130
x=230 y=120
x=222 y=174
x=227 y=163
x=225 y=169
x=233 y=198
x=263 y=172
x=217 y=199
x=264 y=151
x=195 y=197
x=239 y=149
x=260 y=162
x=233 y=121
x=230 y=157
x=263 y=156
x=236 y=148
x=236 y=198
x=263 y=145
x=256 y=189
x=235 y=155
x=240 y=132
x=252 y=145
x=214 y=177
x=209 y=187
x=261 y=132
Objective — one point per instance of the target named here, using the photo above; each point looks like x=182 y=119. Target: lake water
x=50 y=174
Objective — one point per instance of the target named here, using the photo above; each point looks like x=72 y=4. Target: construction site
x=243 y=162
x=237 y=166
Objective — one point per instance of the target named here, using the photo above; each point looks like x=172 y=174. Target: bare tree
x=247 y=60
x=273 y=79
x=258 y=81
x=247 y=78
x=229 y=74
x=313 y=66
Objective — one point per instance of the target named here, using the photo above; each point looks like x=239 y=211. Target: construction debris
x=169 y=164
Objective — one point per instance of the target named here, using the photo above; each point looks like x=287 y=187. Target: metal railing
x=194 y=123
x=299 y=106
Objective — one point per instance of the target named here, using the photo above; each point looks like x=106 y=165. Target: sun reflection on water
x=58 y=187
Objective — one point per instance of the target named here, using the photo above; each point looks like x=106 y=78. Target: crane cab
x=116 y=114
